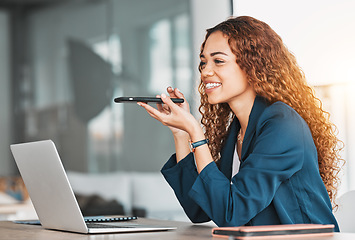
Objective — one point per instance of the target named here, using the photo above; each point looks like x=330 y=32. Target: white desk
x=184 y=231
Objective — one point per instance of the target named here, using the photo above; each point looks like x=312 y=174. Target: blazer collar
x=227 y=153
x=259 y=106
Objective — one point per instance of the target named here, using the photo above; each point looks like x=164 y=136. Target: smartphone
x=145 y=99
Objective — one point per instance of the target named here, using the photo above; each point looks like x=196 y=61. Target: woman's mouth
x=212 y=85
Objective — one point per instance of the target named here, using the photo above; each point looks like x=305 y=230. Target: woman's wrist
x=196 y=134
x=182 y=148
x=181 y=136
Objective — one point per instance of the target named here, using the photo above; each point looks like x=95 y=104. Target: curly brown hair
x=273 y=72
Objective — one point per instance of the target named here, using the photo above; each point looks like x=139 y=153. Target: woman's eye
x=217 y=61
x=202 y=64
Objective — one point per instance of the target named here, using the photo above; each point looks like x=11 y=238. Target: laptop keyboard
x=108 y=219
x=99 y=222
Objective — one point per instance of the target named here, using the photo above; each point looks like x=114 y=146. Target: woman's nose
x=207 y=71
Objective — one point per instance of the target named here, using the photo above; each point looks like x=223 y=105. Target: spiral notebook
x=52 y=196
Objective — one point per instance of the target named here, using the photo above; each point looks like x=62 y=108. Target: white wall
x=6 y=162
x=319 y=32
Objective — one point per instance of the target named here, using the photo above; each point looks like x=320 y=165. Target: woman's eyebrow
x=216 y=53
x=213 y=54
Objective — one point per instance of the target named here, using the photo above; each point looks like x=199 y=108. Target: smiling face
x=224 y=80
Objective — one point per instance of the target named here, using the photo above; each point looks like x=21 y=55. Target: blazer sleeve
x=181 y=176
x=277 y=154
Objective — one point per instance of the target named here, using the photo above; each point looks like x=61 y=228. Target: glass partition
x=82 y=55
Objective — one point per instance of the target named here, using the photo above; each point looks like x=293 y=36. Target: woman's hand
x=176 y=116
x=183 y=125
x=174 y=93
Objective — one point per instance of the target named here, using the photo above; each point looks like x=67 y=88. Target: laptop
x=52 y=196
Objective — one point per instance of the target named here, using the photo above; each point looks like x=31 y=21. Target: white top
x=236 y=162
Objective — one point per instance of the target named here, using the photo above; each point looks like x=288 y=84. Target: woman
x=267 y=153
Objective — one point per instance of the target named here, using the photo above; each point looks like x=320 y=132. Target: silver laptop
x=52 y=196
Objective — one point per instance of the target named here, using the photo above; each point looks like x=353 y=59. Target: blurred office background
x=62 y=62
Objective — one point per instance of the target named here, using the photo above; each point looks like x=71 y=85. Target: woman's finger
x=175 y=93
x=166 y=109
x=168 y=102
x=162 y=107
x=170 y=90
x=159 y=105
x=160 y=116
x=178 y=93
x=152 y=111
x=153 y=116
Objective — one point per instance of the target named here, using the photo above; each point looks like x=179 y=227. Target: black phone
x=145 y=99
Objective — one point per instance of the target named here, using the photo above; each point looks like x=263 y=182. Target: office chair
x=345 y=214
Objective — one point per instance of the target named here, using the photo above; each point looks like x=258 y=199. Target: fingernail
x=163 y=95
x=139 y=103
x=177 y=89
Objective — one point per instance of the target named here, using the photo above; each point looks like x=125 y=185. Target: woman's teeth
x=212 y=85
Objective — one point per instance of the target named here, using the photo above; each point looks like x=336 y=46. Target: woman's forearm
x=202 y=153
x=182 y=147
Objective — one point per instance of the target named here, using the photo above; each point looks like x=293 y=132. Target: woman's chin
x=212 y=101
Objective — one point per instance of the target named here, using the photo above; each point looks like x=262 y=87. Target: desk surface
x=13 y=231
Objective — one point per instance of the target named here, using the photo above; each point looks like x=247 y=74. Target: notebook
x=283 y=231
x=52 y=196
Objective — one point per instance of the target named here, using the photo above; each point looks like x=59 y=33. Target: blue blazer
x=278 y=181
